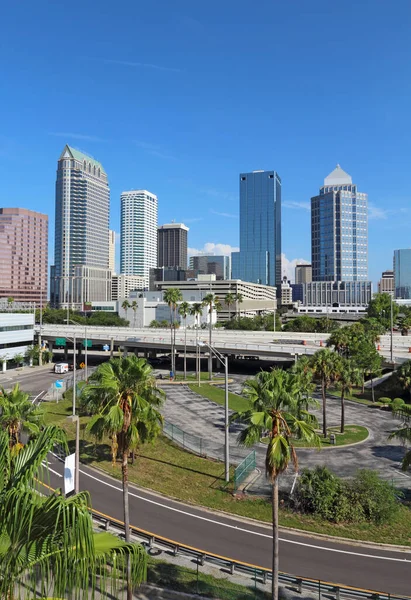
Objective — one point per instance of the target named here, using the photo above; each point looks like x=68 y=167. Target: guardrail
x=254 y=572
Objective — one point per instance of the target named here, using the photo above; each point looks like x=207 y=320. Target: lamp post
x=76 y=419
x=391 y=327
x=224 y=361
x=41 y=320
x=85 y=349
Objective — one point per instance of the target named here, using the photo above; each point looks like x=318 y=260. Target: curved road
x=347 y=564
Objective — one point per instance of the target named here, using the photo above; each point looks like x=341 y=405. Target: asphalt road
x=347 y=564
x=34 y=380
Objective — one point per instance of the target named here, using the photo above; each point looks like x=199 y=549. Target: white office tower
x=138 y=241
x=112 y=250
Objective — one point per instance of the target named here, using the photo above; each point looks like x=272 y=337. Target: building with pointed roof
x=339 y=230
x=81 y=249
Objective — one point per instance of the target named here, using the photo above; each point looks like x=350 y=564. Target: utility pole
x=391 y=327
x=41 y=320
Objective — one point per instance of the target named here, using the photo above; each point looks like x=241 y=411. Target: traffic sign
x=87 y=343
x=61 y=341
x=59 y=383
x=82 y=365
x=106 y=347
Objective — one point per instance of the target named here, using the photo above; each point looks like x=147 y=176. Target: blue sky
x=180 y=97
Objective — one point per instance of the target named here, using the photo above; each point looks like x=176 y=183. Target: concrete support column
x=4 y=366
x=65 y=354
x=50 y=348
x=111 y=348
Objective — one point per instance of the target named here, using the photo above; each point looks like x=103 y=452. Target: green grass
x=351 y=435
x=168 y=469
x=194 y=377
x=189 y=581
x=235 y=402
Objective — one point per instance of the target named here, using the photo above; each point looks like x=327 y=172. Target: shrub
x=376 y=497
x=385 y=400
x=317 y=492
x=396 y=404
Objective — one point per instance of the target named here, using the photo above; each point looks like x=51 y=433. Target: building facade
x=90 y=284
x=386 y=283
x=303 y=273
x=210 y=264
x=334 y=294
x=112 y=251
x=82 y=221
x=23 y=255
x=123 y=285
x=339 y=230
x=286 y=292
x=16 y=335
x=259 y=258
x=165 y=274
x=402 y=273
x=138 y=241
x=172 y=245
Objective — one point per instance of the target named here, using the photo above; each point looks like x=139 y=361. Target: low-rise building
x=334 y=294
x=16 y=335
x=123 y=285
x=386 y=283
x=286 y=292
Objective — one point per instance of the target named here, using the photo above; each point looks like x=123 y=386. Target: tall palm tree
x=326 y=366
x=184 y=309
x=125 y=398
x=277 y=406
x=172 y=297
x=238 y=300
x=229 y=299
x=196 y=310
x=302 y=369
x=125 y=306
x=348 y=376
x=18 y=414
x=212 y=302
x=404 y=434
x=134 y=306
x=48 y=541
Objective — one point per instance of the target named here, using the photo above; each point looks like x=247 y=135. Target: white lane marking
x=33 y=401
x=47 y=466
x=188 y=514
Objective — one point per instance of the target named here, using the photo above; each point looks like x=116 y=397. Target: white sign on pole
x=69 y=468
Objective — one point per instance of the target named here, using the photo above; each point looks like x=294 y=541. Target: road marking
x=47 y=466
x=243 y=530
x=33 y=401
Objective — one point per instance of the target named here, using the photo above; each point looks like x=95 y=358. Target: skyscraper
x=172 y=245
x=402 y=273
x=81 y=229
x=259 y=258
x=23 y=255
x=138 y=242
x=208 y=264
x=339 y=230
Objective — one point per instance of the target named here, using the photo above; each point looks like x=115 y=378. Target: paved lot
x=200 y=417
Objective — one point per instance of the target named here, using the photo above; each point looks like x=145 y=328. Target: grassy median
x=170 y=470
x=217 y=394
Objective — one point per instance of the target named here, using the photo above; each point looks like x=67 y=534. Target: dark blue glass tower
x=259 y=258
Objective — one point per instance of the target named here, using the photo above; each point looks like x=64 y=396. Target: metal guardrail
x=191 y=442
x=243 y=469
x=300 y=584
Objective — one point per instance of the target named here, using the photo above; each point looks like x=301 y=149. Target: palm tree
x=404 y=376
x=212 y=302
x=18 y=414
x=49 y=540
x=134 y=306
x=340 y=340
x=18 y=359
x=302 y=369
x=277 y=406
x=229 y=299
x=196 y=310
x=125 y=306
x=125 y=398
x=238 y=300
x=172 y=297
x=184 y=309
x=404 y=434
x=326 y=366
x=348 y=376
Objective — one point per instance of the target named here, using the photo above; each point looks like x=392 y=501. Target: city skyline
x=188 y=144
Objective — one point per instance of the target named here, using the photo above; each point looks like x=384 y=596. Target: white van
x=61 y=368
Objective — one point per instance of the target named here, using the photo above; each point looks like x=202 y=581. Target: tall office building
x=138 y=241
x=172 y=245
x=23 y=255
x=402 y=273
x=303 y=273
x=211 y=264
x=339 y=230
x=386 y=283
x=259 y=258
x=112 y=250
x=81 y=230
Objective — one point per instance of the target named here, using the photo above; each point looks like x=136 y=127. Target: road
x=347 y=564
x=33 y=380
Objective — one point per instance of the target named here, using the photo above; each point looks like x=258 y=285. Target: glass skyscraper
x=259 y=258
x=339 y=230
x=402 y=273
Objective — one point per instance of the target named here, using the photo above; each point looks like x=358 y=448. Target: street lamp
x=224 y=361
x=85 y=349
x=76 y=419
